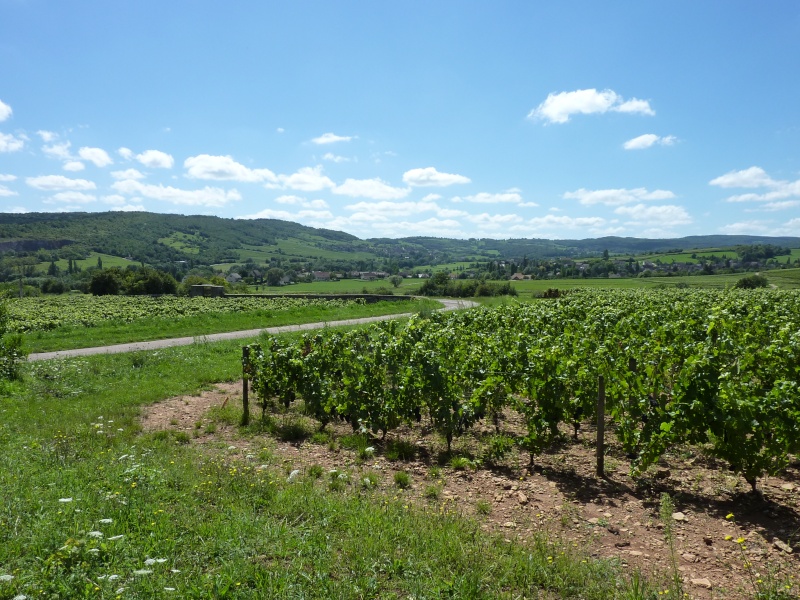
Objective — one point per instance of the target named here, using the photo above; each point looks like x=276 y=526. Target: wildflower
x=106 y=521
x=95 y=534
x=6 y=577
x=143 y=571
x=729 y=516
x=740 y=540
x=65 y=500
x=728 y=538
x=114 y=538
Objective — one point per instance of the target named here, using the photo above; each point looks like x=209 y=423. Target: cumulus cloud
x=754 y=177
x=155 y=159
x=392 y=209
x=207 y=196
x=9 y=143
x=98 y=156
x=7 y=177
x=376 y=189
x=559 y=107
x=299 y=201
x=302 y=216
x=649 y=139
x=6 y=192
x=59 y=151
x=59 y=182
x=306 y=179
x=5 y=111
x=127 y=174
x=430 y=177
x=73 y=165
x=73 y=197
x=224 y=168
x=616 y=197
x=125 y=153
x=331 y=138
x=776 y=192
x=746 y=228
x=47 y=136
x=511 y=196
x=648 y=215
x=331 y=157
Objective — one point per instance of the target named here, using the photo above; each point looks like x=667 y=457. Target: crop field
x=78 y=321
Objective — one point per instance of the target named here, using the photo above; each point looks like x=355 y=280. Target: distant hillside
x=206 y=240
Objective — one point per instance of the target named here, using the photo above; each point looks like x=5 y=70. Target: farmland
x=79 y=321
x=200 y=506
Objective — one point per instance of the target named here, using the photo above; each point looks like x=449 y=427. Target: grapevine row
x=718 y=368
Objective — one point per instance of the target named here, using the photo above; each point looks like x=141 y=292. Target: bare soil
x=615 y=516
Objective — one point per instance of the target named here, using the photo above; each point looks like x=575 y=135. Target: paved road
x=232 y=335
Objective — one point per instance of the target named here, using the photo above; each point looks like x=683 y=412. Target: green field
x=91 y=261
x=99 y=322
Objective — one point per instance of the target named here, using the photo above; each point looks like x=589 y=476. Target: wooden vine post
x=245 y=386
x=601 y=425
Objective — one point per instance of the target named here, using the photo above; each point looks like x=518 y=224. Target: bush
x=751 y=282
x=11 y=352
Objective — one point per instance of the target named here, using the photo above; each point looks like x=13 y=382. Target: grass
x=93 y=508
x=66 y=338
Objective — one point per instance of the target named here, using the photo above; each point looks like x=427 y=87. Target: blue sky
x=388 y=119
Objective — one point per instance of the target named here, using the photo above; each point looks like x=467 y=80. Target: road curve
x=231 y=335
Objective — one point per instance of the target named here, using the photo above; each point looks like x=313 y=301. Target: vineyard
x=47 y=313
x=712 y=368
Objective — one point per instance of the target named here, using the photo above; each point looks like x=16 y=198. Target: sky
x=454 y=118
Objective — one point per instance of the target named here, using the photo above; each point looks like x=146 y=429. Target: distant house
x=424 y=275
x=322 y=275
x=517 y=277
x=233 y=278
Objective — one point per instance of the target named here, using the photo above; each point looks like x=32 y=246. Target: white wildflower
x=106 y=521
x=6 y=577
x=95 y=534
x=65 y=500
x=143 y=571
x=114 y=538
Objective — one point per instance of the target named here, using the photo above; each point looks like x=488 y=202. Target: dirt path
x=231 y=335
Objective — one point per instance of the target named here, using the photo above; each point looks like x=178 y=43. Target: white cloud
x=73 y=197
x=644 y=214
x=487 y=221
x=649 y=139
x=127 y=174
x=392 y=209
x=206 y=196
x=98 y=156
x=432 y=197
x=125 y=153
x=558 y=108
x=299 y=201
x=331 y=138
x=129 y=208
x=9 y=143
x=330 y=156
x=155 y=159
x=300 y=216
x=616 y=197
x=747 y=228
x=59 y=182
x=376 y=189
x=114 y=200
x=754 y=177
x=280 y=130
x=224 y=168
x=512 y=196
x=430 y=177
x=7 y=177
x=18 y=210
x=307 y=179
x=73 y=165
x=5 y=111
x=47 y=136
x=5 y=192
x=775 y=206
x=564 y=221
x=59 y=151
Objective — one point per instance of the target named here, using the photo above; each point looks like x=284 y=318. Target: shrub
x=751 y=282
